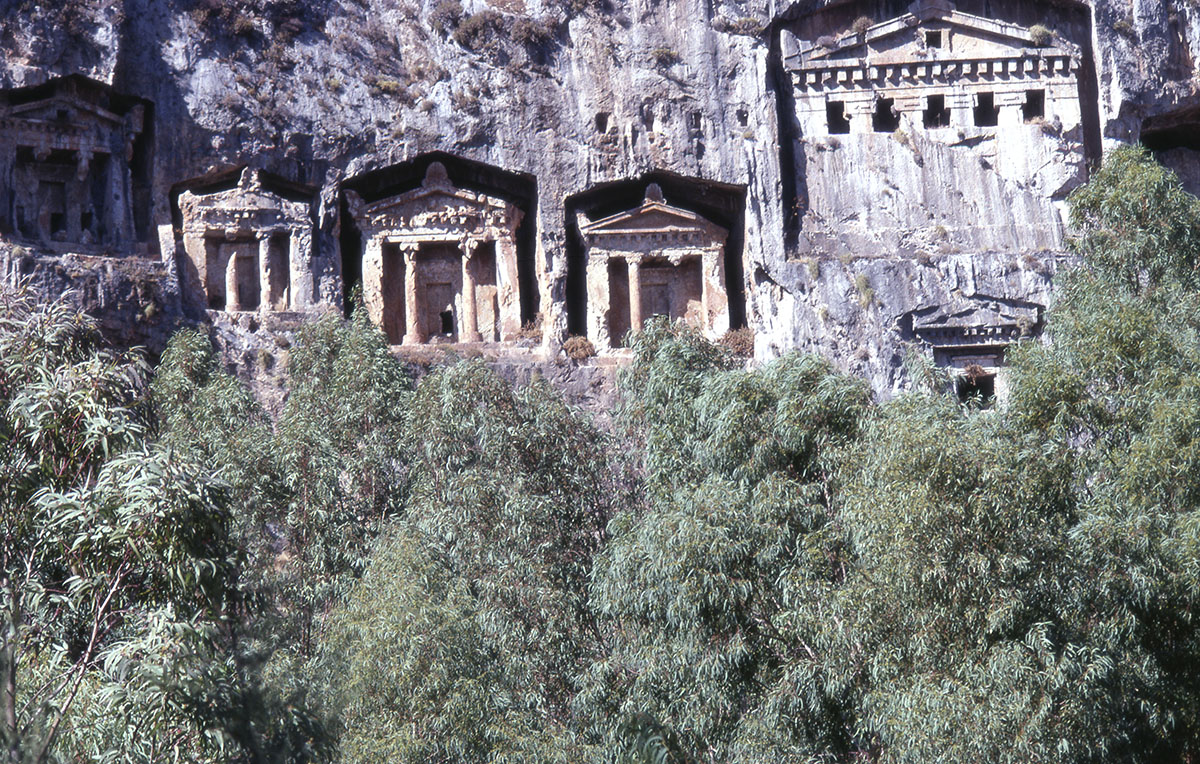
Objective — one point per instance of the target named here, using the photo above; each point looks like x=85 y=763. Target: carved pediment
x=655 y=216
x=964 y=37
x=248 y=204
x=980 y=319
x=437 y=205
x=71 y=109
x=426 y=202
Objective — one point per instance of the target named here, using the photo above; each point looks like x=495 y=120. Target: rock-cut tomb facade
x=65 y=156
x=937 y=129
x=439 y=263
x=969 y=336
x=248 y=248
x=655 y=259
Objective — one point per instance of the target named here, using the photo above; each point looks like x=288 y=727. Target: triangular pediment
x=903 y=40
x=50 y=109
x=652 y=217
x=430 y=200
x=979 y=311
x=247 y=199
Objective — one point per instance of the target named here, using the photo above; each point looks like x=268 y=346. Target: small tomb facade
x=653 y=260
x=969 y=337
x=937 y=130
x=66 y=151
x=440 y=263
x=248 y=248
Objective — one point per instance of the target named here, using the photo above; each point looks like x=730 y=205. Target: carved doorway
x=439 y=311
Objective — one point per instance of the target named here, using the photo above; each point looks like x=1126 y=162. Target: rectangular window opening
x=1035 y=105
x=885 y=119
x=986 y=112
x=976 y=385
x=835 y=112
x=933 y=38
x=936 y=114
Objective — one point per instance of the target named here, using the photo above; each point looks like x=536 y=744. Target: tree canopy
x=748 y=565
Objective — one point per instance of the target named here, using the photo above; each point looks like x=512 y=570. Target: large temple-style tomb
x=440 y=263
x=66 y=149
x=653 y=260
x=249 y=248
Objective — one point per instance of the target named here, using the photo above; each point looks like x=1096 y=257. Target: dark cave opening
x=987 y=114
x=936 y=114
x=981 y=387
x=1179 y=129
x=885 y=118
x=835 y=113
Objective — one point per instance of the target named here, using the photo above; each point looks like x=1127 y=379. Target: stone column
x=635 y=294
x=264 y=272
x=508 y=286
x=301 y=290
x=599 y=300
x=470 y=318
x=412 y=306
x=232 y=302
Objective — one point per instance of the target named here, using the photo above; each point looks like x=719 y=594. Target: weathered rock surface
x=581 y=94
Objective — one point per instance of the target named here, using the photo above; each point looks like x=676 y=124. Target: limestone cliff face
x=585 y=102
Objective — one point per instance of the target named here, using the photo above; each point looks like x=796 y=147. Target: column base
x=412 y=339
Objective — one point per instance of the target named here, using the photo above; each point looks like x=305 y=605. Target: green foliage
x=476 y=32
x=472 y=621
x=100 y=529
x=1137 y=224
x=664 y=57
x=1040 y=35
x=311 y=493
x=694 y=587
x=445 y=15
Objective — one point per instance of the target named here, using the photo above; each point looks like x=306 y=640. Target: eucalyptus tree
x=462 y=641
x=109 y=543
x=310 y=492
x=698 y=586
x=1020 y=584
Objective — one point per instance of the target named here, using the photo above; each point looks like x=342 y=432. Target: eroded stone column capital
x=468 y=246
x=84 y=163
x=409 y=250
